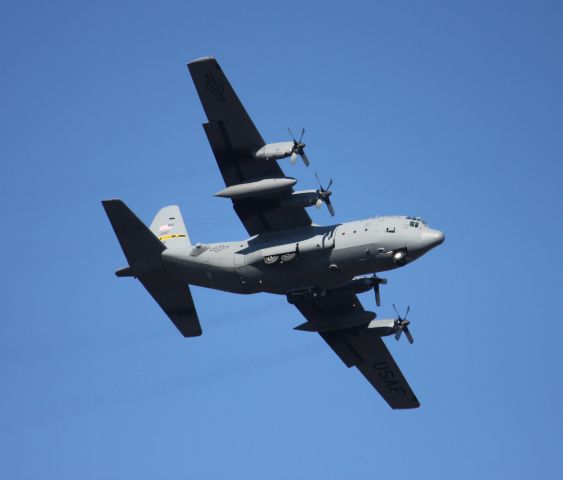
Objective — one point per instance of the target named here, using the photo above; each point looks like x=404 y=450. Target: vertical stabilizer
x=168 y=226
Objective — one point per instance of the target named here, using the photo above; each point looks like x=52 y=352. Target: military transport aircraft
x=320 y=269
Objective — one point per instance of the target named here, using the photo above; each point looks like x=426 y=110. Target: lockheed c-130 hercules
x=320 y=269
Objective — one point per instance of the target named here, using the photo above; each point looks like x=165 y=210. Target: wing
x=233 y=138
x=367 y=353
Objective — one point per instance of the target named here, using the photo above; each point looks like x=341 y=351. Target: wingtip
x=415 y=404
x=190 y=333
x=111 y=200
x=202 y=60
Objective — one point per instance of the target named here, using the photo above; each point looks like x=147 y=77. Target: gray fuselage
x=304 y=258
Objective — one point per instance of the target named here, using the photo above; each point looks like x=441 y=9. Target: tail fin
x=168 y=226
x=143 y=248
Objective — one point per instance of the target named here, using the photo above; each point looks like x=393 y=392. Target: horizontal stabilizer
x=175 y=298
x=136 y=240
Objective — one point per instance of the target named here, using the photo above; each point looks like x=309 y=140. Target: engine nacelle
x=303 y=198
x=274 y=151
x=338 y=322
x=380 y=328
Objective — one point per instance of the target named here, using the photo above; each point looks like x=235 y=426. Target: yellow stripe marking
x=168 y=237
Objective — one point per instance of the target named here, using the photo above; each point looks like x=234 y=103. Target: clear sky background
x=448 y=110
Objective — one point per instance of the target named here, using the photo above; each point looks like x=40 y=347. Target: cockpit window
x=416 y=220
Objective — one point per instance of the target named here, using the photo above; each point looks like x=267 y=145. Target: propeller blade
x=304 y=158
x=302 y=133
x=293 y=158
x=324 y=194
x=330 y=207
x=403 y=324
x=329 y=184
x=291 y=134
x=408 y=335
x=318 y=180
x=377 y=294
x=319 y=203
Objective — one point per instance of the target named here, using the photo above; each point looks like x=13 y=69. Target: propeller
x=298 y=147
x=402 y=325
x=324 y=195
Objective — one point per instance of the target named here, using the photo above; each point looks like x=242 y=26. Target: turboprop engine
x=393 y=326
x=274 y=151
x=308 y=198
x=279 y=150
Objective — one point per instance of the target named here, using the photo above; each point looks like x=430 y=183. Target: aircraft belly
x=224 y=275
x=301 y=273
x=353 y=260
x=297 y=263
x=216 y=273
x=250 y=278
x=181 y=266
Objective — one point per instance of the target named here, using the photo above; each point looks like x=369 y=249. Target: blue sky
x=448 y=110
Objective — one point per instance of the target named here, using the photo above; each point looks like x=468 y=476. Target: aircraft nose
x=432 y=238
